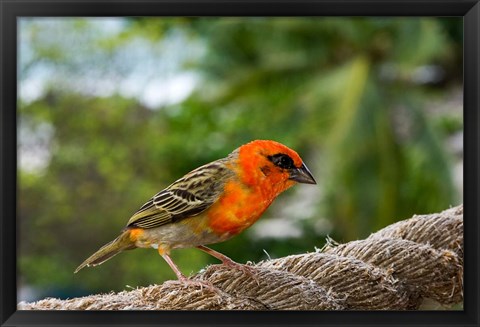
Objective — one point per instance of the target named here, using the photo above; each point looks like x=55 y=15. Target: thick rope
x=393 y=269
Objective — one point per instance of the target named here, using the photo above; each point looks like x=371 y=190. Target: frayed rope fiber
x=395 y=268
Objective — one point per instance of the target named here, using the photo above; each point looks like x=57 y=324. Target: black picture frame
x=11 y=10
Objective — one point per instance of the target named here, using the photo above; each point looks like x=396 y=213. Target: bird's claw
x=246 y=269
x=200 y=283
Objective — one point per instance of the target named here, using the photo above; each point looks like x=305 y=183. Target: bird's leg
x=182 y=278
x=250 y=271
x=174 y=267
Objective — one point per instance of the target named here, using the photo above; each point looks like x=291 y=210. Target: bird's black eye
x=282 y=160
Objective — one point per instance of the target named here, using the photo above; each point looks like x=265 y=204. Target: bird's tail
x=121 y=243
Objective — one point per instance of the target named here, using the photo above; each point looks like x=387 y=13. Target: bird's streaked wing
x=187 y=197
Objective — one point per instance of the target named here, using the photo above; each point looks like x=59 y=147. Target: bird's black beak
x=302 y=175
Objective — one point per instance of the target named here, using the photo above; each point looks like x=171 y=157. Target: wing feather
x=187 y=197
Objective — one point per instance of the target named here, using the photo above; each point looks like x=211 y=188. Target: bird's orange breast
x=238 y=208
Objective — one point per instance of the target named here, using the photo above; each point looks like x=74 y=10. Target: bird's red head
x=272 y=166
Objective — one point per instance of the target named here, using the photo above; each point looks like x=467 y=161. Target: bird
x=210 y=204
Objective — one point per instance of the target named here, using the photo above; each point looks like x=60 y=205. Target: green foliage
x=343 y=92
